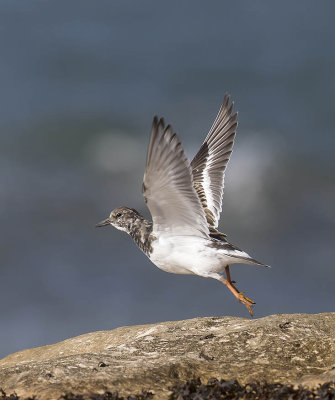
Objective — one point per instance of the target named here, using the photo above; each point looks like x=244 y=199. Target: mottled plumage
x=129 y=220
x=185 y=202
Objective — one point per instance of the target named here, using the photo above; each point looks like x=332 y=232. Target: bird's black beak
x=103 y=223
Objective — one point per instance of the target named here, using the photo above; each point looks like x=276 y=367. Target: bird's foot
x=246 y=301
x=239 y=295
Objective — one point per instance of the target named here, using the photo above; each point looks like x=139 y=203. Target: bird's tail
x=250 y=260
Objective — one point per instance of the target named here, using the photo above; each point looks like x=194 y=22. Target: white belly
x=187 y=255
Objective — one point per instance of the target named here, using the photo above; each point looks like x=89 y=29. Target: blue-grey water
x=79 y=84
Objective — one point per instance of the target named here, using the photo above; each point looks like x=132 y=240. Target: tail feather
x=253 y=261
x=220 y=242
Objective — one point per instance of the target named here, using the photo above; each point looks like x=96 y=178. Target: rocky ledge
x=290 y=349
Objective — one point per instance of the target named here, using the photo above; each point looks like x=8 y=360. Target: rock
x=291 y=349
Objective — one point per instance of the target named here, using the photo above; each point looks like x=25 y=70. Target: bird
x=185 y=202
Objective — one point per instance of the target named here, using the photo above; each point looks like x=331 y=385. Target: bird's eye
x=118 y=215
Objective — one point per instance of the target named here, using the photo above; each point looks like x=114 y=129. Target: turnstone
x=185 y=202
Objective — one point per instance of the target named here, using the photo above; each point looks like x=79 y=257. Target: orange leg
x=239 y=295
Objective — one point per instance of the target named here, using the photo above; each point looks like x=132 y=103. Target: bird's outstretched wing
x=209 y=164
x=168 y=186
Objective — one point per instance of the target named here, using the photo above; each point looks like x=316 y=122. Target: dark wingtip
x=168 y=129
x=226 y=99
x=161 y=122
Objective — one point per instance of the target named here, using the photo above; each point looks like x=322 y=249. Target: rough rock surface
x=293 y=348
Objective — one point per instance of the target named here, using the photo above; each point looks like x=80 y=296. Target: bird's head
x=122 y=218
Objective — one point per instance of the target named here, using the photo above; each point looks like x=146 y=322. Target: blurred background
x=80 y=83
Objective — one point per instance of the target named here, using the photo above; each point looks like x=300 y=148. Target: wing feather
x=209 y=164
x=168 y=186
